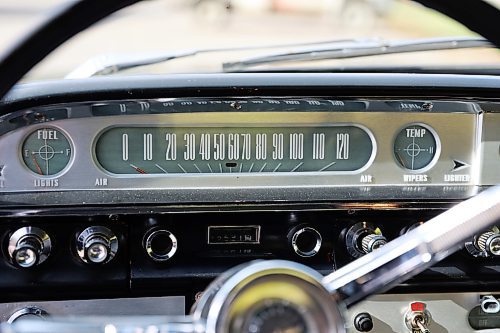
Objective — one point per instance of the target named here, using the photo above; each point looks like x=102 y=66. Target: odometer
x=189 y=150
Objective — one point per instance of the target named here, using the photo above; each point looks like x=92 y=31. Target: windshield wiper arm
x=354 y=49
x=110 y=64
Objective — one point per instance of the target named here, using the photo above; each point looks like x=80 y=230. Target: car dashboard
x=128 y=195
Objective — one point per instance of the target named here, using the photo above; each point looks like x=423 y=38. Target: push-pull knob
x=363 y=322
x=489 y=242
x=371 y=242
x=486 y=244
x=29 y=246
x=363 y=238
x=96 y=245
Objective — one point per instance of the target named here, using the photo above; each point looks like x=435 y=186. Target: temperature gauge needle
x=139 y=170
x=36 y=164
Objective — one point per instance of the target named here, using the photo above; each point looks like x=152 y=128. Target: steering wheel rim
x=77 y=16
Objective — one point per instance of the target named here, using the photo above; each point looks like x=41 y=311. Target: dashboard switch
x=489 y=242
x=363 y=238
x=486 y=244
x=489 y=304
x=418 y=318
x=96 y=245
x=29 y=246
x=363 y=322
x=305 y=241
x=371 y=242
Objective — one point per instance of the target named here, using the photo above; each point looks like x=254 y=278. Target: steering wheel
x=279 y=294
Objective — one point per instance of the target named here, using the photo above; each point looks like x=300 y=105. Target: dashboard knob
x=489 y=242
x=160 y=245
x=305 y=241
x=363 y=238
x=363 y=322
x=29 y=246
x=371 y=242
x=96 y=245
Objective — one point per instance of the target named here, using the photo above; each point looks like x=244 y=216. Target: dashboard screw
x=236 y=105
x=40 y=116
x=198 y=295
x=114 y=218
x=427 y=106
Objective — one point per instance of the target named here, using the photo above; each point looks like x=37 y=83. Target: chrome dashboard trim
x=381 y=118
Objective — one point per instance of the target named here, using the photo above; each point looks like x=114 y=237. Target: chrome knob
x=29 y=246
x=489 y=242
x=363 y=238
x=96 y=245
x=160 y=245
x=371 y=242
x=305 y=241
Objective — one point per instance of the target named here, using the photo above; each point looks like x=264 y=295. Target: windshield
x=158 y=26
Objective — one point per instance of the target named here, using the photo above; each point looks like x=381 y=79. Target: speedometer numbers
x=416 y=147
x=46 y=151
x=207 y=150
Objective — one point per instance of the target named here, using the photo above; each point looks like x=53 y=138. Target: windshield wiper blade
x=110 y=64
x=357 y=48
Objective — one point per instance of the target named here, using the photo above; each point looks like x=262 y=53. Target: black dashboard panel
x=198 y=260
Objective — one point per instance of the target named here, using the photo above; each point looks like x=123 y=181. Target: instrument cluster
x=265 y=145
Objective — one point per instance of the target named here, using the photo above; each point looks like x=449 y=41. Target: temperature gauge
x=46 y=151
x=416 y=147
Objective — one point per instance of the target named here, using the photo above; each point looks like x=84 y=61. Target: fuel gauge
x=46 y=151
x=416 y=147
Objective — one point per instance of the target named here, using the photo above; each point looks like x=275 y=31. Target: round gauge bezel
x=71 y=144
x=436 y=156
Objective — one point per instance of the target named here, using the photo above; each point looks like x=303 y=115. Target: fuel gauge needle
x=36 y=164
x=139 y=170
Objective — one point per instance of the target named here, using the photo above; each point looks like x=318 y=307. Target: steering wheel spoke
x=415 y=251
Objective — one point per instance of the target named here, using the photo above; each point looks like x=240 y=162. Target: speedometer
x=191 y=150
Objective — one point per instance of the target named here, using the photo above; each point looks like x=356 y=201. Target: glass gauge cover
x=46 y=151
x=207 y=150
x=416 y=147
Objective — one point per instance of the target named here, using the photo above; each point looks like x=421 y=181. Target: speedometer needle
x=139 y=170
